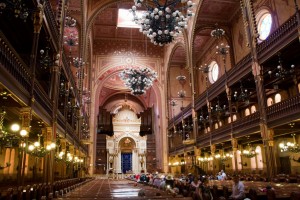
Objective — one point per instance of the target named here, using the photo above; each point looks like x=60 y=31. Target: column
x=213 y=150
x=63 y=144
x=25 y=115
x=37 y=25
x=234 y=144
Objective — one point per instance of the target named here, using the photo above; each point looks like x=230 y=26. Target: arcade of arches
x=229 y=101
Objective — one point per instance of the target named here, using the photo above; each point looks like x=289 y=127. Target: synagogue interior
x=148 y=94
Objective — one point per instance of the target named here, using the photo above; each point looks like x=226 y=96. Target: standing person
x=238 y=189
x=194 y=188
x=223 y=175
x=205 y=193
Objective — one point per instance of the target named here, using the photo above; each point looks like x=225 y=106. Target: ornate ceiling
x=110 y=40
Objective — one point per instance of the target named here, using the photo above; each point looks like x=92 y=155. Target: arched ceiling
x=105 y=28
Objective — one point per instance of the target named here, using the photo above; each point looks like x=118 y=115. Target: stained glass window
x=213 y=72
x=264 y=24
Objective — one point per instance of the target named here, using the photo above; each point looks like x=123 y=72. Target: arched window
x=247 y=112
x=277 y=98
x=269 y=101
x=234 y=118
x=264 y=24
x=229 y=120
x=213 y=74
x=220 y=124
x=259 y=157
x=253 y=109
x=216 y=126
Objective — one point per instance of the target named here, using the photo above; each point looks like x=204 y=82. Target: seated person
x=220 y=177
x=238 y=189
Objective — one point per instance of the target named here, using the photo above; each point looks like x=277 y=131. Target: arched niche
x=178 y=77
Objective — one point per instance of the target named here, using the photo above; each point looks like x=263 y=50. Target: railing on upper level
x=187 y=111
x=51 y=21
x=282 y=36
x=14 y=65
x=246 y=124
x=221 y=134
x=288 y=109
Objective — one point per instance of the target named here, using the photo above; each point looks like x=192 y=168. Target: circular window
x=213 y=72
x=264 y=24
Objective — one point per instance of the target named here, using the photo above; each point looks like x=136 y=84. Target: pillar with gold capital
x=70 y=170
x=270 y=143
x=213 y=151
x=25 y=116
x=63 y=153
x=234 y=144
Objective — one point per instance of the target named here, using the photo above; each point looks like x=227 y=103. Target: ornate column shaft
x=234 y=144
x=213 y=151
x=25 y=115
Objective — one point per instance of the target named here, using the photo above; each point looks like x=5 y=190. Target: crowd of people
x=196 y=187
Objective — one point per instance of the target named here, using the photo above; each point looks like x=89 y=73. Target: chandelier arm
x=171 y=3
x=156 y=2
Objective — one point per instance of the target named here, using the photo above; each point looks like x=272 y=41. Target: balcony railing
x=282 y=36
x=13 y=63
x=288 y=109
x=51 y=21
x=246 y=124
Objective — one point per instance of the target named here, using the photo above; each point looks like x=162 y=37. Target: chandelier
x=205 y=159
x=162 y=22
x=280 y=71
x=249 y=152
x=222 y=156
x=78 y=62
x=217 y=32
x=17 y=7
x=244 y=94
x=290 y=146
x=138 y=80
x=70 y=22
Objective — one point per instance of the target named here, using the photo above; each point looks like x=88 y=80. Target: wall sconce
x=245 y=164
x=227 y=165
